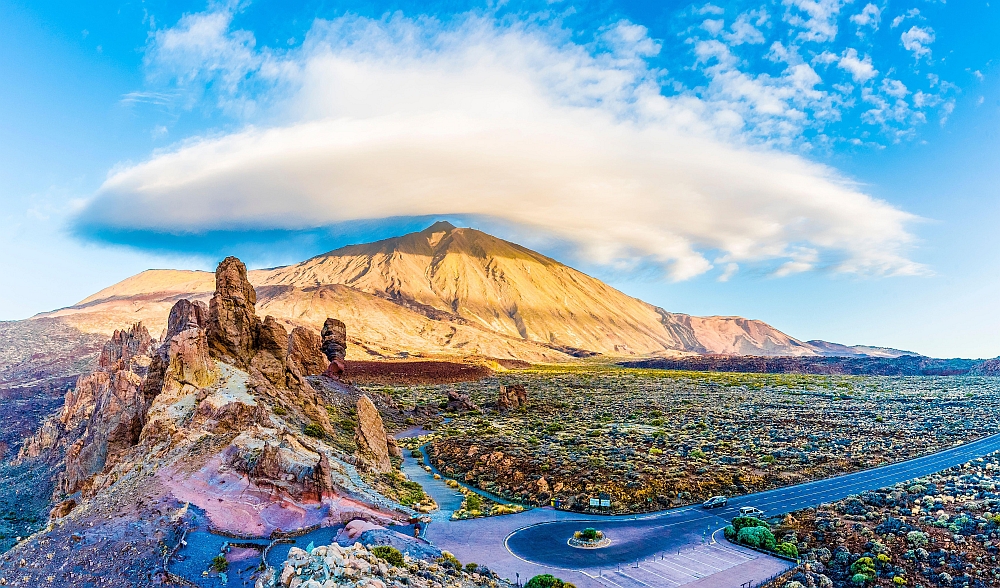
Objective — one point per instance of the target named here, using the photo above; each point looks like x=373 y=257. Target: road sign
x=605 y=503
x=595 y=502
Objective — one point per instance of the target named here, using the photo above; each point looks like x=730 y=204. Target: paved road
x=643 y=537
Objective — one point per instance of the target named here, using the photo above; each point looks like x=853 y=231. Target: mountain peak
x=440 y=226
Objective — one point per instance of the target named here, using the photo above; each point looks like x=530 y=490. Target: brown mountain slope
x=452 y=291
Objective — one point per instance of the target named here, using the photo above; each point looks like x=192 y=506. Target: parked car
x=750 y=511
x=715 y=502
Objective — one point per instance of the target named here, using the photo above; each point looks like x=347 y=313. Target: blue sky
x=826 y=166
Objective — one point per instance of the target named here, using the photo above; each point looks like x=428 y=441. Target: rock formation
x=105 y=412
x=305 y=354
x=271 y=349
x=233 y=325
x=374 y=445
x=335 y=345
x=460 y=403
x=280 y=462
x=512 y=397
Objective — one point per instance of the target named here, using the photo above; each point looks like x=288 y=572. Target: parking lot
x=672 y=569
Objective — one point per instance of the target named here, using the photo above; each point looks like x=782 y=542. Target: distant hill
x=904 y=365
x=458 y=292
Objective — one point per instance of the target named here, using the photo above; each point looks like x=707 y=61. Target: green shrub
x=388 y=554
x=471 y=567
x=314 y=430
x=447 y=559
x=864 y=566
x=743 y=522
x=787 y=549
x=767 y=458
x=415 y=454
x=219 y=563
x=280 y=411
x=759 y=537
x=588 y=534
x=547 y=581
x=473 y=502
x=729 y=532
x=916 y=538
x=859 y=579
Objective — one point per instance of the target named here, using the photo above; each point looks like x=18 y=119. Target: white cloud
x=917 y=39
x=401 y=117
x=861 y=69
x=870 y=16
x=817 y=19
x=894 y=88
x=911 y=13
x=745 y=30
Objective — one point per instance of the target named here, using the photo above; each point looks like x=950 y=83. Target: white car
x=750 y=511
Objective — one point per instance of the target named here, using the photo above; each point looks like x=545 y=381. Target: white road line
x=703 y=563
x=633 y=578
x=670 y=564
x=660 y=576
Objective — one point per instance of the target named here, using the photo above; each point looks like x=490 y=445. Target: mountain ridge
x=459 y=291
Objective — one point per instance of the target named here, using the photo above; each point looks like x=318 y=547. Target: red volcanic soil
x=413 y=372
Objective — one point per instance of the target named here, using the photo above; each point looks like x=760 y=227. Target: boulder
x=280 y=462
x=335 y=345
x=370 y=436
x=233 y=325
x=460 y=403
x=305 y=353
x=512 y=398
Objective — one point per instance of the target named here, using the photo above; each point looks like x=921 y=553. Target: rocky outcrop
x=460 y=403
x=233 y=325
x=305 y=354
x=280 y=462
x=272 y=347
x=374 y=446
x=105 y=412
x=335 y=345
x=512 y=398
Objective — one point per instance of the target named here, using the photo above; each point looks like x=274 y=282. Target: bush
x=220 y=563
x=787 y=549
x=758 y=537
x=473 y=502
x=882 y=558
x=898 y=581
x=416 y=454
x=729 y=532
x=449 y=560
x=864 y=566
x=547 y=581
x=471 y=567
x=859 y=579
x=743 y=522
x=314 y=430
x=389 y=555
x=916 y=538
x=588 y=534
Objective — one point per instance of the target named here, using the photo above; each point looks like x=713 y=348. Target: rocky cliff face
x=102 y=416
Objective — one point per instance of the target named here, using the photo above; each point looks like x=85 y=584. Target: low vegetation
x=653 y=439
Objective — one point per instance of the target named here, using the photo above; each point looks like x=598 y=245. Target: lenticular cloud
x=399 y=117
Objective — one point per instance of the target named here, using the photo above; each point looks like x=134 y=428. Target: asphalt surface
x=635 y=538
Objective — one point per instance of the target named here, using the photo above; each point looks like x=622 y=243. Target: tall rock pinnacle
x=233 y=325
